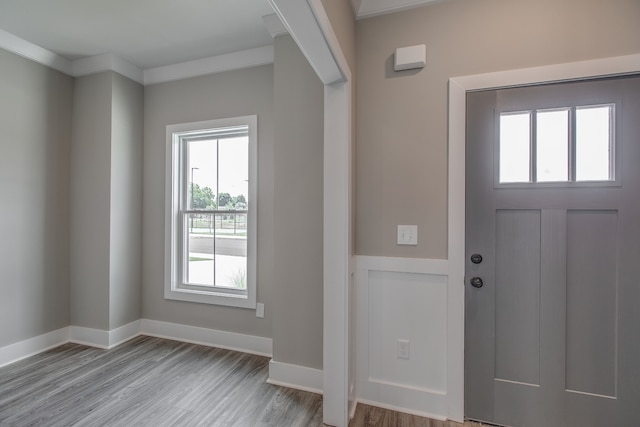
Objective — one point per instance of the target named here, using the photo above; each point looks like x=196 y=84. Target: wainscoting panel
x=400 y=300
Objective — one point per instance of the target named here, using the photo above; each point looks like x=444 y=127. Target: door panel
x=517 y=304
x=551 y=338
x=591 y=302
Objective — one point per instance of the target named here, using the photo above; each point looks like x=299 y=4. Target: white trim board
x=104 y=339
x=110 y=62
x=308 y=24
x=336 y=250
x=403 y=265
x=300 y=19
x=107 y=61
x=274 y=25
x=30 y=347
x=295 y=376
x=109 y=339
x=251 y=344
x=371 y=8
x=124 y=333
x=458 y=87
x=21 y=47
x=393 y=390
x=338 y=376
x=86 y=336
x=213 y=64
x=331 y=40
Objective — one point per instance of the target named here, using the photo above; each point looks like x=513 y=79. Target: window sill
x=215 y=298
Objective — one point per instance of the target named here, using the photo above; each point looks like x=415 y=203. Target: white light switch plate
x=408 y=235
x=259 y=309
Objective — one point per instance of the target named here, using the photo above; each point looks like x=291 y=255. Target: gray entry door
x=552 y=336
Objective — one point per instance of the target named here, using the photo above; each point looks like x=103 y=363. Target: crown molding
x=21 y=47
x=274 y=25
x=214 y=64
x=355 y=5
x=370 y=8
x=110 y=62
x=106 y=61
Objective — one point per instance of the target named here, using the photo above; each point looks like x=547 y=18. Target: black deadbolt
x=476 y=258
x=476 y=282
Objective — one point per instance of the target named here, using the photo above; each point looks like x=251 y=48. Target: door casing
x=458 y=88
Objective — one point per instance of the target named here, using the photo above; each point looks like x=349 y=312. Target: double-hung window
x=211 y=187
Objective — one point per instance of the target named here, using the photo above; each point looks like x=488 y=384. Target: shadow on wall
x=390 y=73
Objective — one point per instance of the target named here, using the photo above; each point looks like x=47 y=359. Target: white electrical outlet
x=403 y=349
x=408 y=235
x=259 y=309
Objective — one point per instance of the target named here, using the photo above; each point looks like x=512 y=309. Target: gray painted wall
x=298 y=220
x=90 y=201
x=106 y=197
x=125 y=259
x=35 y=118
x=401 y=173
x=229 y=94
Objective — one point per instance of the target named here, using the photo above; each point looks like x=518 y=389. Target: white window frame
x=615 y=161
x=174 y=289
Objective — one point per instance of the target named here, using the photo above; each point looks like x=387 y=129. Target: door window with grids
x=561 y=145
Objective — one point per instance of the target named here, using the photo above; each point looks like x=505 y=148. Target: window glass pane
x=514 y=147
x=200 y=249
x=216 y=244
x=552 y=145
x=202 y=174
x=233 y=178
x=593 y=143
x=231 y=250
x=216 y=255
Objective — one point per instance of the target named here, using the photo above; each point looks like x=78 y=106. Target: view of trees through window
x=216 y=218
x=205 y=198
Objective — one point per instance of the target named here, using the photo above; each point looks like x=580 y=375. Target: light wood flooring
x=157 y=382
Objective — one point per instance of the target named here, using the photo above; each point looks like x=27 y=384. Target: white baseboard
x=109 y=339
x=32 y=346
x=210 y=337
x=104 y=339
x=89 y=336
x=295 y=376
x=124 y=333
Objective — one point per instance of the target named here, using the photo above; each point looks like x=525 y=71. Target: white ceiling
x=130 y=36
x=145 y=33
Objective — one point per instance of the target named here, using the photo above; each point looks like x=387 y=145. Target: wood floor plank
x=157 y=382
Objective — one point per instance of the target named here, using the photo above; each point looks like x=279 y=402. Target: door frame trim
x=458 y=88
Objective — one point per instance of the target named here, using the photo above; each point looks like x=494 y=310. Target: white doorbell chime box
x=410 y=58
